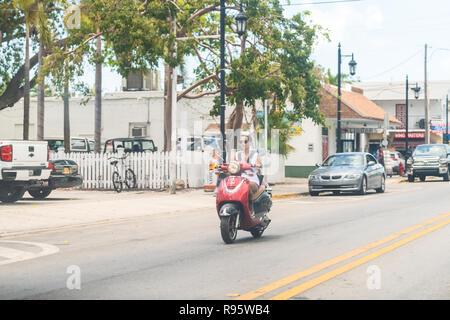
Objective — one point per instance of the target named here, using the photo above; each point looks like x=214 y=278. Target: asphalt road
x=379 y=246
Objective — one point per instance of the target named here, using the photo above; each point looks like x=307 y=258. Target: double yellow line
x=340 y=270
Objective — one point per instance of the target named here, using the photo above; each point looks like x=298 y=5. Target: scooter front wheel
x=228 y=228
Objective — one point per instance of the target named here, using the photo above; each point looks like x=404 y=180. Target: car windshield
x=147 y=145
x=78 y=144
x=55 y=144
x=350 y=160
x=430 y=150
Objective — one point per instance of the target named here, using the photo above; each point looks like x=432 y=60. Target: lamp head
x=241 y=23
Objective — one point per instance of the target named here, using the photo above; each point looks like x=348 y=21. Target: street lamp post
x=416 y=95
x=241 y=24
x=352 y=64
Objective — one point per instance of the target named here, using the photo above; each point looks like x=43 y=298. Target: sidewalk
x=75 y=208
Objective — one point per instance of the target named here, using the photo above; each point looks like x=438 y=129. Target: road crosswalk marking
x=10 y=255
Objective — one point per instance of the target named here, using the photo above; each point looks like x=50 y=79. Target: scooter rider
x=252 y=157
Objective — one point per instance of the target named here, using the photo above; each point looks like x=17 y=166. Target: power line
x=394 y=67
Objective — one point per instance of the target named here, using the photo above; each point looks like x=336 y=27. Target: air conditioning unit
x=136 y=81
x=138 y=132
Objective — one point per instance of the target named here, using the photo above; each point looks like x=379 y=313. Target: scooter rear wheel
x=228 y=228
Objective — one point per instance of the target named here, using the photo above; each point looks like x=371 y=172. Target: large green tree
x=271 y=61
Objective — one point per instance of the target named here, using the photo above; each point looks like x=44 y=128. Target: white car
x=395 y=158
x=23 y=164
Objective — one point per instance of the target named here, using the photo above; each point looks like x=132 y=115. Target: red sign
x=411 y=135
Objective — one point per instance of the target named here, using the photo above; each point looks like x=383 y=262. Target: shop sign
x=411 y=135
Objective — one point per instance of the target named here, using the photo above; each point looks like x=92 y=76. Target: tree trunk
x=254 y=117
x=235 y=123
x=98 y=98
x=67 y=141
x=41 y=95
x=168 y=108
x=26 y=96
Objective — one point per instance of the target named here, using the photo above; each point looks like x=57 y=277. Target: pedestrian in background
x=381 y=155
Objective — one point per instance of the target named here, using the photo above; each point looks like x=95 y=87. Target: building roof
x=354 y=106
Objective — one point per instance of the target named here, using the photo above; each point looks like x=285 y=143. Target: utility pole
x=446 y=119
x=427 y=107
x=339 y=131
x=406 y=124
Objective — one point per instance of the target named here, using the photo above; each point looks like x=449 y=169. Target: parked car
x=396 y=158
x=353 y=171
x=200 y=143
x=23 y=164
x=76 y=144
x=64 y=175
x=429 y=160
x=130 y=145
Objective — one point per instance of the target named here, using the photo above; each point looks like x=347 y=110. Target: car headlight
x=410 y=161
x=313 y=177
x=442 y=161
x=234 y=168
x=352 y=176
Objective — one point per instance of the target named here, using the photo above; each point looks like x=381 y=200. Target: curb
x=289 y=195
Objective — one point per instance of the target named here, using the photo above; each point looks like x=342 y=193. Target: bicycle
x=130 y=176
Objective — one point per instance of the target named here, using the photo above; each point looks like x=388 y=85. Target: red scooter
x=236 y=210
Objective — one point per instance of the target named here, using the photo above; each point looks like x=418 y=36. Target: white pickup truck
x=23 y=164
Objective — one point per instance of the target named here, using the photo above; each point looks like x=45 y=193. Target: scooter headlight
x=234 y=168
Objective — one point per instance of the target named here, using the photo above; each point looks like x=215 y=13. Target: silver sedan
x=353 y=171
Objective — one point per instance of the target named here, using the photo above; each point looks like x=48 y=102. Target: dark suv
x=130 y=145
x=429 y=160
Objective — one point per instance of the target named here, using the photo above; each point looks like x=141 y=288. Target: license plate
x=66 y=170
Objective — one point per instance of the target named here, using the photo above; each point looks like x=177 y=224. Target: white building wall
x=118 y=111
x=416 y=110
x=302 y=156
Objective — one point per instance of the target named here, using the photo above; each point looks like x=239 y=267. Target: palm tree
x=98 y=96
x=44 y=40
x=28 y=7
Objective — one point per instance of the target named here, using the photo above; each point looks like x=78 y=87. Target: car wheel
x=13 y=195
x=313 y=193
x=447 y=176
x=40 y=193
x=382 y=187
x=363 y=188
x=336 y=193
x=410 y=178
x=422 y=178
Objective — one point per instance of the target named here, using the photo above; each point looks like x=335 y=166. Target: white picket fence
x=152 y=169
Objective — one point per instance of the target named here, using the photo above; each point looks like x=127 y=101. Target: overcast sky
x=387 y=38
